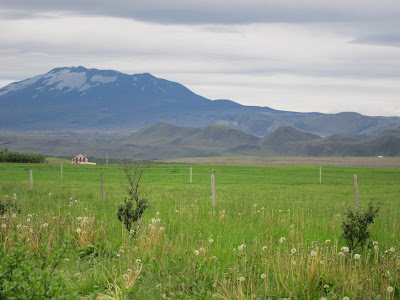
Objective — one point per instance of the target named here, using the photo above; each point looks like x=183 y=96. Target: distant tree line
x=18 y=157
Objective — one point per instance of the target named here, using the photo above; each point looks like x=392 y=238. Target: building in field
x=81 y=159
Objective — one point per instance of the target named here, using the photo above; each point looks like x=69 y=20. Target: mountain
x=76 y=99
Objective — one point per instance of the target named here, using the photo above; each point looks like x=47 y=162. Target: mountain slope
x=77 y=98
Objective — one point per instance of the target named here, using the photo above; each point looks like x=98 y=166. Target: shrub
x=24 y=275
x=355 y=225
x=131 y=210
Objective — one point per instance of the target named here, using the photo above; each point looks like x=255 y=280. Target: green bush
x=18 y=157
x=25 y=275
x=355 y=225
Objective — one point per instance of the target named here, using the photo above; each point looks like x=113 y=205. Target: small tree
x=131 y=210
x=355 y=225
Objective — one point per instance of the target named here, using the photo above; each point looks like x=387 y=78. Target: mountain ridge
x=76 y=98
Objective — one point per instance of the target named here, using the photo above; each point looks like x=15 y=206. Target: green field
x=188 y=249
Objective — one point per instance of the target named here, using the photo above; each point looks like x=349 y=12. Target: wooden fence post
x=190 y=177
x=213 y=187
x=320 y=175
x=61 y=171
x=357 y=199
x=31 y=179
x=107 y=158
x=102 y=184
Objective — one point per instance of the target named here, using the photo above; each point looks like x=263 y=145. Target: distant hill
x=164 y=140
x=76 y=99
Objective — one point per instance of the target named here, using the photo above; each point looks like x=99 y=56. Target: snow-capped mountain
x=76 y=98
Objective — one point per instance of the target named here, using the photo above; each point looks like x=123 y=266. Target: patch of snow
x=103 y=79
x=15 y=86
x=66 y=79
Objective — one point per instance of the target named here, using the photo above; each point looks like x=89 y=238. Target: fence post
x=190 y=175
x=31 y=179
x=102 y=184
x=357 y=199
x=320 y=175
x=107 y=158
x=213 y=187
x=61 y=171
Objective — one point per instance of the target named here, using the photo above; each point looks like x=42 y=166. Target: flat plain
x=275 y=231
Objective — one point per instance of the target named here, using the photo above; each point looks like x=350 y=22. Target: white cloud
x=291 y=66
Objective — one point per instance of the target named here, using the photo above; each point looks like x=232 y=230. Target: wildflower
x=313 y=253
x=29 y=215
x=392 y=249
x=346 y=298
x=210 y=240
x=375 y=243
x=131 y=231
x=28 y=220
x=196 y=252
x=294 y=262
x=357 y=256
x=66 y=259
x=202 y=250
x=79 y=218
x=31 y=230
x=293 y=250
x=327 y=241
x=138 y=261
x=44 y=225
x=49 y=194
x=376 y=247
x=292 y=226
x=118 y=255
x=158 y=220
x=321 y=262
x=241 y=278
x=322 y=298
x=157 y=213
x=255 y=205
x=263 y=276
x=14 y=215
x=282 y=239
x=126 y=277
x=153 y=220
x=214 y=257
x=326 y=286
x=176 y=211
x=345 y=249
x=18 y=226
x=4 y=226
x=389 y=289
x=239 y=214
x=340 y=253
x=78 y=230
x=240 y=248
x=162 y=228
x=264 y=248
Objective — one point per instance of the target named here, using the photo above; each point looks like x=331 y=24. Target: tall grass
x=274 y=233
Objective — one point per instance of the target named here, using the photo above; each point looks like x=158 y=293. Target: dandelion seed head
x=389 y=289
x=392 y=249
x=346 y=298
x=293 y=250
x=4 y=226
x=313 y=253
x=126 y=277
x=138 y=261
x=357 y=256
x=196 y=252
x=78 y=230
x=294 y=262
x=255 y=205
x=210 y=240
x=375 y=243
x=45 y=225
x=345 y=249
x=241 y=278
x=162 y=228
x=264 y=248
x=28 y=220
x=263 y=276
x=376 y=247
x=327 y=241
x=14 y=215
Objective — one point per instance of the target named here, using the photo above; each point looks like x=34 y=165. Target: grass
x=188 y=249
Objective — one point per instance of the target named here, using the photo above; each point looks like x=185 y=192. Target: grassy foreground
x=274 y=232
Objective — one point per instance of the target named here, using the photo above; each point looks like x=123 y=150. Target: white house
x=81 y=159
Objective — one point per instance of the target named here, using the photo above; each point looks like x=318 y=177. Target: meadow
x=274 y=233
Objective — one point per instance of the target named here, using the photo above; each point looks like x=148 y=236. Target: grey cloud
x=218 y=12
x=392 y=39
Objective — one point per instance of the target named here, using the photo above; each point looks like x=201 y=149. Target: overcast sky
x=310 y=55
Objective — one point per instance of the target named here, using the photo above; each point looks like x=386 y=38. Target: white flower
x=293 y=250
x=313 y=253
x=357 y=256
x=202 y=250
x=29 y=215
x=376 y=247
x=282 y=239
x=345 y=249
x=255 y=205
x=294 y=262
x=392 y=249
x=292 y=226
x=18 y=226
x=327 y=241
x=210 y=240
x=153 y=220
x=131 y=231
x=14 y=215
x=340 y=253
x=162 y=228
x=375 y=243
x=28 y=220
x=4 y=226
x=79 y=218
x=196 y=252
x=346 y=298
x=263 y=276
x=389 y=289
x=126 y=277
x=241 y=278
x=158 y=220
x=326 y=286
x=78 y=230
x=138 y=261
x=264 y=248
x=241 y=247
x=44 y=225
x=157 y=213
x=176 y=211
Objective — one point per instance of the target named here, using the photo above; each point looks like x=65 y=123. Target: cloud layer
x=326 y=56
